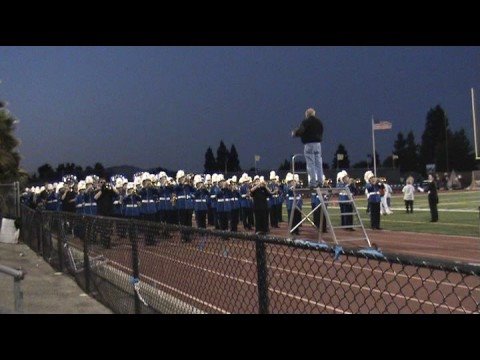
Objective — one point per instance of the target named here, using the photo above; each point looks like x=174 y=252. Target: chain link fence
x=135 y=266
x=10 y=200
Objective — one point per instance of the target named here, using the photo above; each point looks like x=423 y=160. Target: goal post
x=476 y=127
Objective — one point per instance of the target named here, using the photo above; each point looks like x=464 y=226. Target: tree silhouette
x=222 y=157
x=233 y=163
x=285 y=166
x=9 y=157
x=461 y=155
x=99 y=170
x=435 y=139
x=46 y=173
x=210 y=164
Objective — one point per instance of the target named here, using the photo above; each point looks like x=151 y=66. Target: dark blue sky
x=164 y=106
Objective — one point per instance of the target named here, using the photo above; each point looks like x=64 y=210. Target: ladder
x=326 y=196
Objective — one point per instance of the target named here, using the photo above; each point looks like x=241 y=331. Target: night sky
x=164 y=106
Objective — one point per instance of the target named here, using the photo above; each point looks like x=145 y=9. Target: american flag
x=382 y=125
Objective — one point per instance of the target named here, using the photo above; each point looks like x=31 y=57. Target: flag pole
x=373 y=155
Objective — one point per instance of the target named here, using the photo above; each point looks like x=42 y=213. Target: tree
x=233 y=163
x=88 y=170
x=9 y=157
x=98 y=169
x=399 y=147
x=344 y=162
x=360 y=165
x=410 y=155
x=433 y=149
x=388 y=162
x=222 y=157
x=285 y=166
x=461 y=155
x=46 y=173
x=210 y=165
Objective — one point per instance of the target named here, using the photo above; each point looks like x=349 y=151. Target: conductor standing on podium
x=311 y=133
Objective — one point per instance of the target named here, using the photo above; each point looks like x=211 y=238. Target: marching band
x=213 y=200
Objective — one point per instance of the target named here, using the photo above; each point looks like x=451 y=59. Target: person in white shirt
x=384 y=206
x=408 y=195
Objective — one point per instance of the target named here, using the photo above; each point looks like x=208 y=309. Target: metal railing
x=135 y=266
x=18 y=276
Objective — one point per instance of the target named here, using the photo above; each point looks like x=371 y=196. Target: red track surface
x=220 y=276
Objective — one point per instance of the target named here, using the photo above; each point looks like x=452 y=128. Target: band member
x=346 y=207
x=89 y=202
x=384 y=207
x=373 y=193
x=131 y=204
x=201 y=197
x=245 y=206
x=148 y=209
x=213 y=199
x=235 y=204
x=292 y=184
x=260 y=193
x=280 y=199
x=272 y=186
x=223 y=204
x=183 y=192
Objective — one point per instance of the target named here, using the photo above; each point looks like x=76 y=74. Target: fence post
x=60 y=241
x=18 y=294
x=86 y=259
x=136 y=271
x=261 y=276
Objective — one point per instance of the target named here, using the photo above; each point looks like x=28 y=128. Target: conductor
x=311 y=133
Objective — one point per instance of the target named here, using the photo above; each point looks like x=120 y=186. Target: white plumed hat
x=368 y=175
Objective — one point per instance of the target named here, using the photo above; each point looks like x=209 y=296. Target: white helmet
x=197 y=179
x=368 y=175
x=180 y=174
x=234 y=178
x=289 y=177
x=341 y=175
x=146 y=176
x=82 y=185
x=272 y=175
x=59 y=186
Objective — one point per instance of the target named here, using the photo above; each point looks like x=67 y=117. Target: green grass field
x=458 y=213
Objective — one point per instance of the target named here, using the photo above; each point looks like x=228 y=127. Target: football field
x=458 y=213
